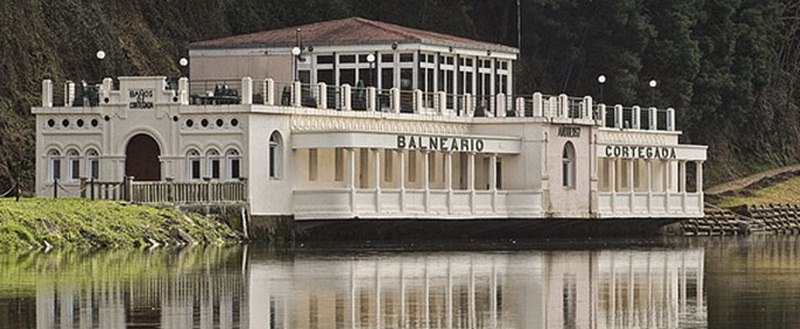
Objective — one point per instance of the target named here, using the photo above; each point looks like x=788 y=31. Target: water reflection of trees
x=576 y=289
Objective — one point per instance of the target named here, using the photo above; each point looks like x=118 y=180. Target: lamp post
x=183 y=62
x=653 y=83
x=296 y=54
x=601 y=79
x=101 y=55
x=371 y=60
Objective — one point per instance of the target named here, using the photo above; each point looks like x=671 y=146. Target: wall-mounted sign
x=440 y=143
x=641 y=152
x=141 y=98
x=569 y=131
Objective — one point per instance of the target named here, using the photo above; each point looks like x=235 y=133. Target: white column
x=351 y=177
x=630 y=186
x=699 y=183
x=247 y=90
x=448 y=179
x=269 y=91
x=493 y=186
x=297 y=96
x=322 y=95
x=47 y=93
x=471 y=180
x=682 y=176
x=402 y=173
x=613 y=182
x=377 y=153
x=649 y=184
x=426 y=177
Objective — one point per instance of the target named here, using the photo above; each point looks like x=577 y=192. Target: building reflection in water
x=531 y=289
x=572 y=289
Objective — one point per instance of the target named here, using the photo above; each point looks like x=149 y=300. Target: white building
x=381 y=122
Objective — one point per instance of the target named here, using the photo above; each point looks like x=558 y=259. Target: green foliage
x=729 y=67
x=84 y=224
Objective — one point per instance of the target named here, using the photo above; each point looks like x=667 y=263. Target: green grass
x=781 y=193
x=80 y=223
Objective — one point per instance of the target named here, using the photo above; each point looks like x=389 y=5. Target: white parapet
x=653 y=118
x=417 y=101
x=322 y=98
x=670 y=119
x=563 y=106
x=347 y=98
x=587 y=107
x=183 y=90
x=247 y=90
x=601 y=111
x=269 y=91
x=501 y=105
x=441 y=97
x=297 y=95
x=636 y=117
x=395 y=99
x=106 y=90
x=520 y=106
x=69 y=93
x=371 y=93
x=537 y=105
x=47 y=93
x=618 y=116
x=469 y=109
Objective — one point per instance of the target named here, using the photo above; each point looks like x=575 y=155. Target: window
x=193 y=164
x=233 y=164
x=568 y=166
x=93 y=160
x=275 y=154
x=54 y=170
x=212 y=164
x=338 y=159
x=312 y=164
x=74 y=165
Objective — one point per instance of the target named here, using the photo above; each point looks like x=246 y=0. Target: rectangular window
x=347 y=58
x=338 y=164
x=406 y=58
x=499 y=175
x=214 y=169
x=387 y=58
x=388 y=163
x=387 y=78
x=325 y=59
x=312 y=164
x=412 y=166
x=195 y=165
x=94 y=168
x=235 y=174
x=56 y=167
x=74 y=170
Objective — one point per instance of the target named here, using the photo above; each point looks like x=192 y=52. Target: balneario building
x=355 y=120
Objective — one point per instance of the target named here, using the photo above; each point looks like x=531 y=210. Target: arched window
x=233 y=164
x=568 y=166
x=93 y=161
x=275 y=154
x=193 y=165
x=213 y=164
x=54 y=169
x=73 y=165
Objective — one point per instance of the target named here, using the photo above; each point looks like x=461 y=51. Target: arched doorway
x=141 y=158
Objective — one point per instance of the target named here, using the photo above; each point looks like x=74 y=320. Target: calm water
x=695 y=283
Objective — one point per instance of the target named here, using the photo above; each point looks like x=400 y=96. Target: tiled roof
x=347 y=31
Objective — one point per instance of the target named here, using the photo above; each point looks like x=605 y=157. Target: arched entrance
x=141 y=158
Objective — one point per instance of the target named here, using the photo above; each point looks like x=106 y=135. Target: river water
x=685 y=283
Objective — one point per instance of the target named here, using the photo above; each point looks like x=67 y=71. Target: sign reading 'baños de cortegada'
x=641 y=152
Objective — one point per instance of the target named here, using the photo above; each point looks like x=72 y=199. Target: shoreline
x=37 y=223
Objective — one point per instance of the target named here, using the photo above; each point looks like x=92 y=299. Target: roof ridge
x=385 y=26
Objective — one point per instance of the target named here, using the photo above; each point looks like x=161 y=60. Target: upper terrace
x=150 y=92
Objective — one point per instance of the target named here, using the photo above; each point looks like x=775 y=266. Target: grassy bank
x=79 y=223
x=784 y=192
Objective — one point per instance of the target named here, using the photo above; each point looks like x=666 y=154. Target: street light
x=183 y=62
x=296 y=54
x=601 y=80
x=371 y=60
x=653 y=85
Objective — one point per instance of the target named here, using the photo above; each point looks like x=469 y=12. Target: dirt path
x=756 y=181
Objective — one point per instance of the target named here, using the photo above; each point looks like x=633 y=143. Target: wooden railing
x=187 y=192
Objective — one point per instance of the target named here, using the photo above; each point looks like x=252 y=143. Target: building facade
x=356 y=119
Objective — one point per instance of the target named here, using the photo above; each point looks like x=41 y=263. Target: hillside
x=730 y=68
